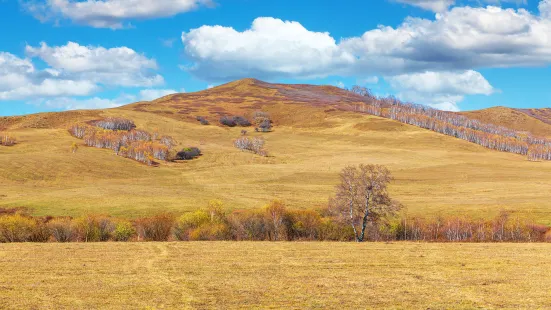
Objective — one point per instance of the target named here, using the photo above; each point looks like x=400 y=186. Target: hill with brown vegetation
x=315 y=135
x=535 y=121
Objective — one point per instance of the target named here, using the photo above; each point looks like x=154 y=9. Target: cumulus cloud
x=19 y=79
x=120 y=66
x=463 y=38
x=442 y=90
x=74 y=70
x=545 y=8
x=270 y=48
x=110 y=13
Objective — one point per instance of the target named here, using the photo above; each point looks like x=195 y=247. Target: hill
x=312 y=141
x=536 y=121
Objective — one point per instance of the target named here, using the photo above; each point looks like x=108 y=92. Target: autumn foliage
x=455 y=125
x=274 y=222
x=136 y=144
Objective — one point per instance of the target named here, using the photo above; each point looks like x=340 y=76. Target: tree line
x=273 y=222
x=455 y=125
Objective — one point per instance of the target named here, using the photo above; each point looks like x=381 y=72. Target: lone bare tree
x=362 y=197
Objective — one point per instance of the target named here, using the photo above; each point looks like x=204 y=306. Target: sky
x=456 y=55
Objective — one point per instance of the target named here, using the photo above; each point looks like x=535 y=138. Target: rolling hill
x=312 y=140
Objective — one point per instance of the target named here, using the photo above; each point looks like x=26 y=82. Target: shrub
x=248 y=225
x=227 y=121
x=188 y=153
x=16 y=228
x=124 y=230
x=202 y=120
x=188 y=222
x=156 y=228
x=41 y=232
x=62 y=229
x=304 y=224
x=210 y=232
x=262 y=121
x=241 y=121
x=6 y=139
x=232 y=121
x=115 y=123
x=94 y=228
x=255 y=145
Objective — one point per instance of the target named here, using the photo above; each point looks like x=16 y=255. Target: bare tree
x=362 y=197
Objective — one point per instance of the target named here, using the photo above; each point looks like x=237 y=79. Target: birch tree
x=362 y=197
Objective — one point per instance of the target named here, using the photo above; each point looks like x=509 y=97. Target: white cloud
x=463 y=38
x=340 y=84
x=19 y=79
x=432 y=5
x=74 y=70
x=442 y=90
x=110 y=13
x=152 y=94
x=545 y=8
x=120 y=66
x=270 y=48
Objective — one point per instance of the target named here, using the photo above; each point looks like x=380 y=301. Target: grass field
x=435 y=174
x=234 y=275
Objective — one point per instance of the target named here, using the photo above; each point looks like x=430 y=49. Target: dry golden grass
x=233 y=275
x=536 y=121
x=435 y=174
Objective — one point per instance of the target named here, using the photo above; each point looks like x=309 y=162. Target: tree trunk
x=365 y=218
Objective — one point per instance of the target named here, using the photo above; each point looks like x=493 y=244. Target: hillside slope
x=312 y=141
x=536 y=121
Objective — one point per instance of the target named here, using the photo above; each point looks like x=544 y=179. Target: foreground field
x=274 y=275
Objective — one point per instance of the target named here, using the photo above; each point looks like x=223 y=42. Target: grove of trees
x=131 y=143
x=455 y=125
x=254 y=145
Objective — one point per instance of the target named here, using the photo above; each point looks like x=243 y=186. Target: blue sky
x=451 y=54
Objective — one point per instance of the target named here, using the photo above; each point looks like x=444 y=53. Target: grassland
x=274 y=275
x=435 y=174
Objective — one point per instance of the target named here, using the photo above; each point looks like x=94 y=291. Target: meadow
x=434 y=174
x=289 y=275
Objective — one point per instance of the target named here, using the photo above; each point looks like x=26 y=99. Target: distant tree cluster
x=455 y=125
x=188 y=153
x=232 y=121
x=255 y=145
x=136 y=144
x=202 y=120
x=115 y=123
x=262 y=121
x=6 y=139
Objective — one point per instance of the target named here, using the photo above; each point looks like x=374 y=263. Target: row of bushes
x=6 y=139
x=271 y=223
